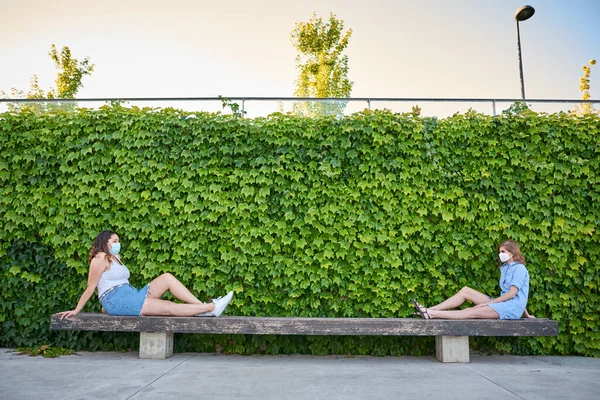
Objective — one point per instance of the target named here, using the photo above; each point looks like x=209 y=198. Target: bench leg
x=452 y=349
x=156 y=345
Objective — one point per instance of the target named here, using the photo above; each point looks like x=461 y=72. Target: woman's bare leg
x=153 y=306
x=160 y=285
x=485 y=312
x=459 y=298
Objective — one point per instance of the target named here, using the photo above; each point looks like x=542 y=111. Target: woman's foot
x=418 y=307
x=221 y=304
x=421 y=311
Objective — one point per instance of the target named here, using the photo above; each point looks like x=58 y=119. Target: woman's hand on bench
x=67 y=314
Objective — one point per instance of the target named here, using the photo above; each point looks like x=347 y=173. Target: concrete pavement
x=112 y=375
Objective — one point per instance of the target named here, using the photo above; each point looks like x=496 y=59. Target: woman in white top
x=118 y=297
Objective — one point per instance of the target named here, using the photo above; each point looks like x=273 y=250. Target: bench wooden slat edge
x=308 y=326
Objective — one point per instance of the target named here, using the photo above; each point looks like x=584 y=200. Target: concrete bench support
x=156 y=345
x=452 y=349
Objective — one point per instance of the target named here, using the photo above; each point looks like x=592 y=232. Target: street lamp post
x=522 y=14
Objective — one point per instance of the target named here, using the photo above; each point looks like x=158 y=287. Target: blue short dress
x=513 y=274
x=125 y=300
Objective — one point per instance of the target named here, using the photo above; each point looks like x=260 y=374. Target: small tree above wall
x=584 y=88
x=323 y=68
x=69 y=75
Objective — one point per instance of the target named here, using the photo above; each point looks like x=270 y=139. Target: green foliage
x=70 y=72
x=584 y=88
x=518 y=107
x=314 y=217
x=234 y=107
x=323 y=66
x=44 y=351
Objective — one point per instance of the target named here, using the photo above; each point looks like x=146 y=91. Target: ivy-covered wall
x=327 y=217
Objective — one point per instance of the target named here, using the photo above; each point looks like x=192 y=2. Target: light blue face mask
x=115 y=248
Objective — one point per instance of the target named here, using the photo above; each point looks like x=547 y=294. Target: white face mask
x=504 y=257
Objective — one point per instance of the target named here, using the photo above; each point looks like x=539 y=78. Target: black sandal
x=420 y=311
x=418 y=307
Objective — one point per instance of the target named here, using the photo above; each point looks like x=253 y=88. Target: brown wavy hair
x=512 y=247
x=100 y=245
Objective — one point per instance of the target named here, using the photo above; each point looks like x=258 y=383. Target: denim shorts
x=125 y=300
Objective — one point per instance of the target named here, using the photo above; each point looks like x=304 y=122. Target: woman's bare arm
x=511 y=294
x=527 y=315
x=97 y=267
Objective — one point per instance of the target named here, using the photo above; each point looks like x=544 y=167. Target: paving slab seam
x=161 y=376
x=497 y=384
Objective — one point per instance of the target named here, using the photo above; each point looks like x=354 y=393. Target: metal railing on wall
x=263 y=106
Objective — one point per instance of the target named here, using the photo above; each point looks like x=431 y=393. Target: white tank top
x=117 y=274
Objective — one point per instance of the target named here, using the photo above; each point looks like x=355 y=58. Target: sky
x=398 y=48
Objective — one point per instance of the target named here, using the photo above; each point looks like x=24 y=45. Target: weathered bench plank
x=452 y=336
x=308 y=326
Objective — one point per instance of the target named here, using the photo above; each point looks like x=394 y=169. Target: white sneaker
x=221 y=304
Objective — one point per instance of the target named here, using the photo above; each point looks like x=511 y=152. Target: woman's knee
x=466 y=290
x=473 y=295
x=167 y=278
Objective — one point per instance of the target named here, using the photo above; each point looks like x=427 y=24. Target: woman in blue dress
x=514 y=286
x=111 y=277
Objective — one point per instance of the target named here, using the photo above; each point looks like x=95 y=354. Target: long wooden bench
x=452 y=336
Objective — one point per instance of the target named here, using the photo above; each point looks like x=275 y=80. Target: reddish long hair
x=512 y=247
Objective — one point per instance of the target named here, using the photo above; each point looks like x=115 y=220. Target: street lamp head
x=524 y=13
